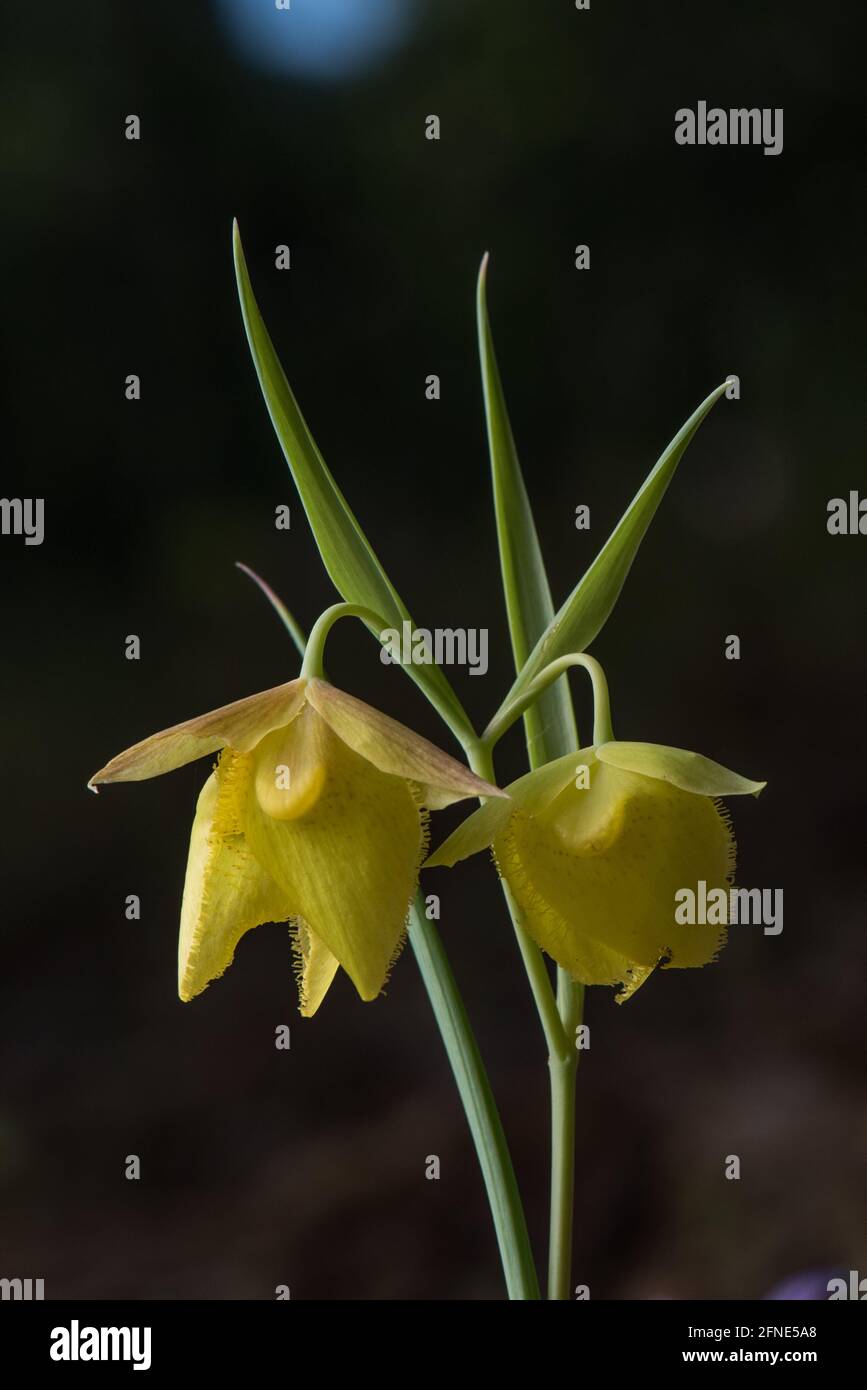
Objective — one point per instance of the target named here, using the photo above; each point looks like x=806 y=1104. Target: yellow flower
x=594 y=847
x=314 y=813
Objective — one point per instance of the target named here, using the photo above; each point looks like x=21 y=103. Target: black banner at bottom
x=161 y=1339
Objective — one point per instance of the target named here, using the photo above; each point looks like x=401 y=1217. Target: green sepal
x=532 y=793
x=691 y=772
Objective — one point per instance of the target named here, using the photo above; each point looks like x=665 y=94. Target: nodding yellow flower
x=316 y=814
x=594 y=847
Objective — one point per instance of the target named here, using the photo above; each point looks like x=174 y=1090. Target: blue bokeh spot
x=319 y=38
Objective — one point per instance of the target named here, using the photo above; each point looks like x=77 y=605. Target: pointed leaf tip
x=289 y=622
x=346 y=553
x=529 y=607
x=583 y=615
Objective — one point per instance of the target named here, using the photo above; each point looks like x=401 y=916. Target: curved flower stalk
x=315 y=813
x=594 y=847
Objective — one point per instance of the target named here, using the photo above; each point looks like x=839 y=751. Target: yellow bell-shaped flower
x=315 y=813
x=596 y=845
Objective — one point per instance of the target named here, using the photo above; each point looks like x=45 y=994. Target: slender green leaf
x=549 y=725
x=286 y=618
x=550 y=722
x=589 y=606
x=479 y=1105
x=346 y=553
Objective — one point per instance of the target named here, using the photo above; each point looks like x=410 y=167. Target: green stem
x=562 y=1075
x=539 y=978
x=559 y=1018
x=479 y=1106
x=314 y=656
x=570 y=999
x=482 y=763
x=314 y=653
x=513 y=709
x=569 y=1007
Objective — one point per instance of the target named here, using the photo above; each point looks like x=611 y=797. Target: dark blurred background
x=306 y=1167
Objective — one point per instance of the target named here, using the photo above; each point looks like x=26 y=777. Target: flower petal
x=536 y=790
x=349 y=864
x=394 y=748
x=533 y=792
x=240 y=725
x=226 y=892
x=689 y=771
x=601 y=867
x=316 y=969
x=473 y=834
